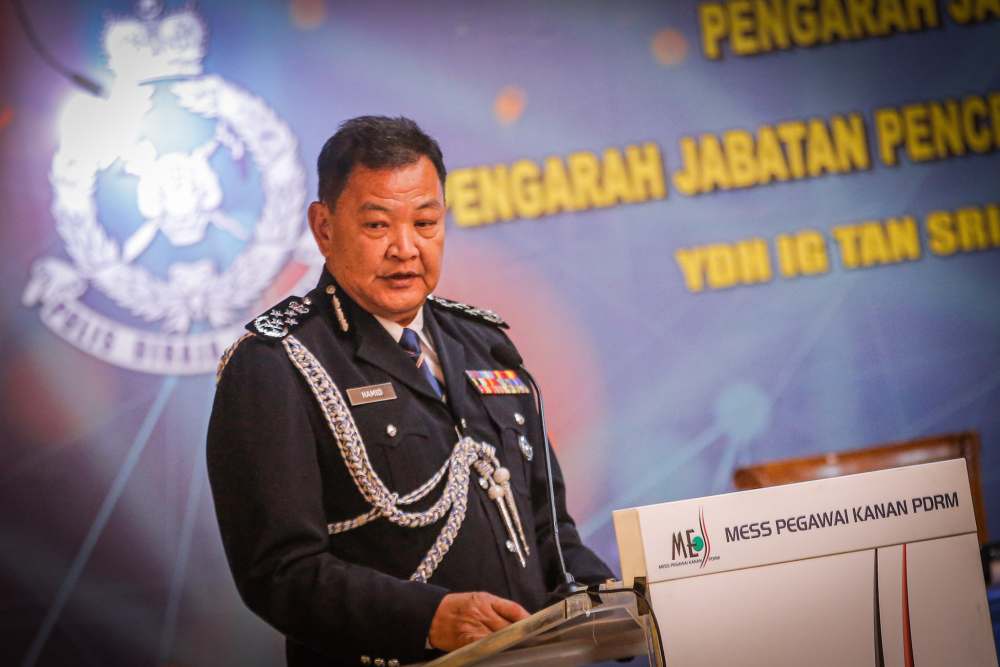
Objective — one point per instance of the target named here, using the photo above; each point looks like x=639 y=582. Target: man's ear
x=321 y=224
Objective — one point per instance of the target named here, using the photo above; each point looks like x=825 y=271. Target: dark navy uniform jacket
x=278 y=480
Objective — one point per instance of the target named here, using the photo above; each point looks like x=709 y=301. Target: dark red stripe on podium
x=907 y=641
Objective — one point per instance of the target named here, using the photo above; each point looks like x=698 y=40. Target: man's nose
x=403 y=244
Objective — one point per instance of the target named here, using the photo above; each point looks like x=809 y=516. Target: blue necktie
x=411 y=343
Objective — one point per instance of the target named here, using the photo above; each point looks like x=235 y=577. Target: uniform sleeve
x=268 y=492
x=585 y=566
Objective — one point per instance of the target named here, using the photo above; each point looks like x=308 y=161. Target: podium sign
x=880 y=568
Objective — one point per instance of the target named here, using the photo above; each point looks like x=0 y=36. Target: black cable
x=78 y=79
x=567 y=576
x=569 y=584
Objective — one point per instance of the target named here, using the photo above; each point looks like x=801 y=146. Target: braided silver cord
x=463 y=456
x=408 y=499
x=466 y=453
x=348 y=439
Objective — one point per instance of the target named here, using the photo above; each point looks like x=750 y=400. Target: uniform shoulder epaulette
x=227 y=355
x=471 y=312
x=283 y=318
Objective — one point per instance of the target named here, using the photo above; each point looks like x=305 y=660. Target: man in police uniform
x=378 y=475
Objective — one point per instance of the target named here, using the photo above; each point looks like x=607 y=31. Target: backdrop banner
x=722 y=233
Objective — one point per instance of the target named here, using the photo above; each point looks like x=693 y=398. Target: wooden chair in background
x=925 y=450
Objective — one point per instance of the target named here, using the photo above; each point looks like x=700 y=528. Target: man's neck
x=395 y=328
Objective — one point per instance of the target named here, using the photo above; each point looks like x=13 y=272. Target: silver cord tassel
x=502 y=477
x=496 y=494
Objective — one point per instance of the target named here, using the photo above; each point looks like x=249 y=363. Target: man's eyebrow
x=371 y=206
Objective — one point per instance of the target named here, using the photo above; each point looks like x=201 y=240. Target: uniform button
x=391 y=430
x=519 y=419
x=464 y=423
x=526 y=448
x=393 y=663
x=510 y=546
x=365 y=660
x=307 y=301
x=483 y=483
x=379 y=662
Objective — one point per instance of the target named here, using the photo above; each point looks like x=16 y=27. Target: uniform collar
x=353 y=310
x=451 y=353
x=396 y=330
x=374 y=343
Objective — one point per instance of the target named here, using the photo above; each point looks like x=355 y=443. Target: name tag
x=497 y=382
x=373 y=393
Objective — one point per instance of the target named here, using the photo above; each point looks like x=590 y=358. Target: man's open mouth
x=401 y=277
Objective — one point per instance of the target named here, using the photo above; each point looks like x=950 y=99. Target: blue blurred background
x=173 y=210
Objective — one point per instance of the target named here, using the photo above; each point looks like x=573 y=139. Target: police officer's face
x=384 y=240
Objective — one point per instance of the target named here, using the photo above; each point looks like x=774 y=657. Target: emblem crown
x=155 y=46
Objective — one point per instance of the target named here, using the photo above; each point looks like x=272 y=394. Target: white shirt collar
x=396 y=330
x=427 y=346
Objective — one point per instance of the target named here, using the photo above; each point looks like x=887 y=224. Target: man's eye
x=374 y=225
x=426 y=223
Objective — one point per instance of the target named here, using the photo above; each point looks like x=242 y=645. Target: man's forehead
x=428 y=203
x=417 y=180
x=422 y=165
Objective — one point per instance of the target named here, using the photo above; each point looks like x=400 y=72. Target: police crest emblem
x=161 y=264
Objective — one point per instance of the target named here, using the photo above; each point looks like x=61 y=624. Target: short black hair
x=377 y=142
